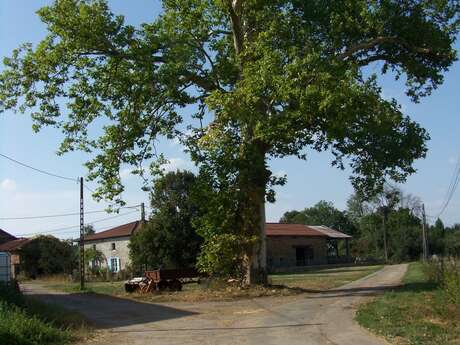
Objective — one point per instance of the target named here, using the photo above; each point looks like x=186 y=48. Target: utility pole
x=82 y=243
x=424 y=239
x=142 y=212
x=384 y=226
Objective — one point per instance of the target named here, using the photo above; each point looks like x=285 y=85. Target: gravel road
x=309 y=319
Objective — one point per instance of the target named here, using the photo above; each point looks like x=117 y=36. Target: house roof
x=118 y=231
x=331 y=233
x=286 y=229
x=6 y=237
x=13 y=245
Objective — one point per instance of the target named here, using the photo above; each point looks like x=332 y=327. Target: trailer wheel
x=162 y=285
x=175 y=285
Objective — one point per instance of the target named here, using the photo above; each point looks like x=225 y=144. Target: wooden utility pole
x=424 y=239
x=384 y=226
x=142 y=212
x=82 y=239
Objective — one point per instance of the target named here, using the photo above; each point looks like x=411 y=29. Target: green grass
x=281 y=285
x=322 y=279
x=26 y=321
x=416 y=314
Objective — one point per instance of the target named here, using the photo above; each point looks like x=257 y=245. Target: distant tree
x=322 y=213
x=88 y=229
x=46 y=255
x=169 y=238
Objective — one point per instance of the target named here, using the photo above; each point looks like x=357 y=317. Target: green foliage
x=399 y=213
x=18 y=326
x=322 y=213
x=265 y=79
x=418 y=313
x=169 y=239
x=45 y=255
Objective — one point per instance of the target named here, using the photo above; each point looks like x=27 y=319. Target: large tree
x=169 y=238
x=266 y=78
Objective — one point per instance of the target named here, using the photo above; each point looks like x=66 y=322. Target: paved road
x=310 y=319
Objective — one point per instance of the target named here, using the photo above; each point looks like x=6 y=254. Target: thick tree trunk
x=257 y=266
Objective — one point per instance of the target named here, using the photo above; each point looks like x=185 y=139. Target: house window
x=115 y=265
x=113 y=246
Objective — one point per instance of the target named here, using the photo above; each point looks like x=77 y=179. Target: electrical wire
x=77 y=226
x=39 y=170
x=452 y=188
x=62 y=214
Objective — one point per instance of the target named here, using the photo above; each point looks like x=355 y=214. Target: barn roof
x=6 y=237
x=286 y=229
x=13 y=245
x=331 y=233
x=118 y=231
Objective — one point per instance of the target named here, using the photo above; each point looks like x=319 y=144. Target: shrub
x=19 y=327
x=451 y=281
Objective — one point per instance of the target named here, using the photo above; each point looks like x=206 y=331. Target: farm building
x=291 y=245
x=113 y=244
x=12 y=245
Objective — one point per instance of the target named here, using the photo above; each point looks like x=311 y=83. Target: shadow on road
x=216 y=328
x=107 y=311
x=342 y=292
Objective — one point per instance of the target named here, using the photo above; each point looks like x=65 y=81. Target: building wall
x=105 y=247
x=281 y=250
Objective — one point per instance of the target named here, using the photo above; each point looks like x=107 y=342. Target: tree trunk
x=257 y=266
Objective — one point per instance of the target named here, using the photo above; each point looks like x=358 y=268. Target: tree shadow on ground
x=360 y=291
x=105 y=311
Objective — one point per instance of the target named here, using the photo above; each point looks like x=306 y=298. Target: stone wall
x=105 y=247
x=281 y=250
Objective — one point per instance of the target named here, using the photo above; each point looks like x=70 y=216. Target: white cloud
x=177 y=164
x=280 y=174
x=8 y=184
x=126 y=172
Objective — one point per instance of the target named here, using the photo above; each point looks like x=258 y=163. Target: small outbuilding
x=297 y=245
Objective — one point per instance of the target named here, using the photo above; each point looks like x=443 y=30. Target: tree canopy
x=322 y=213
x=169 y=238
x=45 y=255
x=265 y=78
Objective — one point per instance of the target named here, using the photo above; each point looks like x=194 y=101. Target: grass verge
x=280 y=285
x=26 y=321
x=416 y=314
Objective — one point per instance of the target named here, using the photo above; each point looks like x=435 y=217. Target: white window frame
x=118 y=262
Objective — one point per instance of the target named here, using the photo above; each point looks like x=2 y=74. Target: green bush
x=10 y=295
x=19 y=326
x=451 y=282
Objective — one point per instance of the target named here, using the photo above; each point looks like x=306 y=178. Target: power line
x=61 y=215
x=39 y=170
x=77 y=226
x=452 y=188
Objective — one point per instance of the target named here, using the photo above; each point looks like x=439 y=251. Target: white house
x=113 y=243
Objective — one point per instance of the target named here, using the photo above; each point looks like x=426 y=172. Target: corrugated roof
x=331 y=233
x=13 y=245
x=285 y=229
x=118 y=231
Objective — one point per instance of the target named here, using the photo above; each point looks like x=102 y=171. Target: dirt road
x=323 y=318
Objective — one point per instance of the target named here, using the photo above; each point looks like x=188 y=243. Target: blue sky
x=24 y=192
